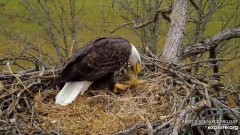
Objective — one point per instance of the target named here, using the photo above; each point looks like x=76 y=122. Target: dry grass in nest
x=102 y=112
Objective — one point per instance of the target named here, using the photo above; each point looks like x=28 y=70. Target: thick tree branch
x=209 y=43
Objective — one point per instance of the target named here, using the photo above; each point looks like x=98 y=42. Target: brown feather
x=95 y=60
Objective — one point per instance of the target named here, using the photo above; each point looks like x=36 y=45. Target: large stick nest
x=171 y=101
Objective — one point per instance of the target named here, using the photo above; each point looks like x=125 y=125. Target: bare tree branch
x=143 y=17
x=214 y=41
x=195 y=5
x=164 y=13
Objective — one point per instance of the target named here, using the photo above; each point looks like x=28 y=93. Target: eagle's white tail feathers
x=70 y=91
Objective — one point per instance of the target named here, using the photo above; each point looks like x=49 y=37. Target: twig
x=118 y=28
x=73 y=48
x=129 y=130
x=156 y=130
x=207 y=96
x=181 y=117
x=8 y=69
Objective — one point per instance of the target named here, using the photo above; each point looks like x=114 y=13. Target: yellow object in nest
x=132 y=82
x=133 y=78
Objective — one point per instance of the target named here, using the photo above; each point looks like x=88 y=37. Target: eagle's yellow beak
x=137 y=68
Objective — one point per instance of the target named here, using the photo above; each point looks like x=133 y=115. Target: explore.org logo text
x=223 y=127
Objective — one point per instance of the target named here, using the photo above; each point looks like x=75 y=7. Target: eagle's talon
x=133 y=78
x=121 y=87
x=135 y=82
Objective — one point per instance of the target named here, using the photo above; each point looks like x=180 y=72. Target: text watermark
x=223 y=127
x=216 y=124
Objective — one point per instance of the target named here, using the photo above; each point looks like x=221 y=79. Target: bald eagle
x=96 y=62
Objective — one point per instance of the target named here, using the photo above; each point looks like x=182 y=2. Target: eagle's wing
x=106 y=55
x=96 y=59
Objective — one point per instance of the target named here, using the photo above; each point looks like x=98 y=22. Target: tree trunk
x=172 y=50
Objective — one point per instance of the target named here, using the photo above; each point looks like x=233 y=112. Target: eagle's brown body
x=96 y=62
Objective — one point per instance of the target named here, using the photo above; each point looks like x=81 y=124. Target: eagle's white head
x=135 y=60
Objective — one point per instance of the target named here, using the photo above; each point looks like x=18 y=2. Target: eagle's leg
x=120 y=87
x=116 y=87
x=108 y=81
